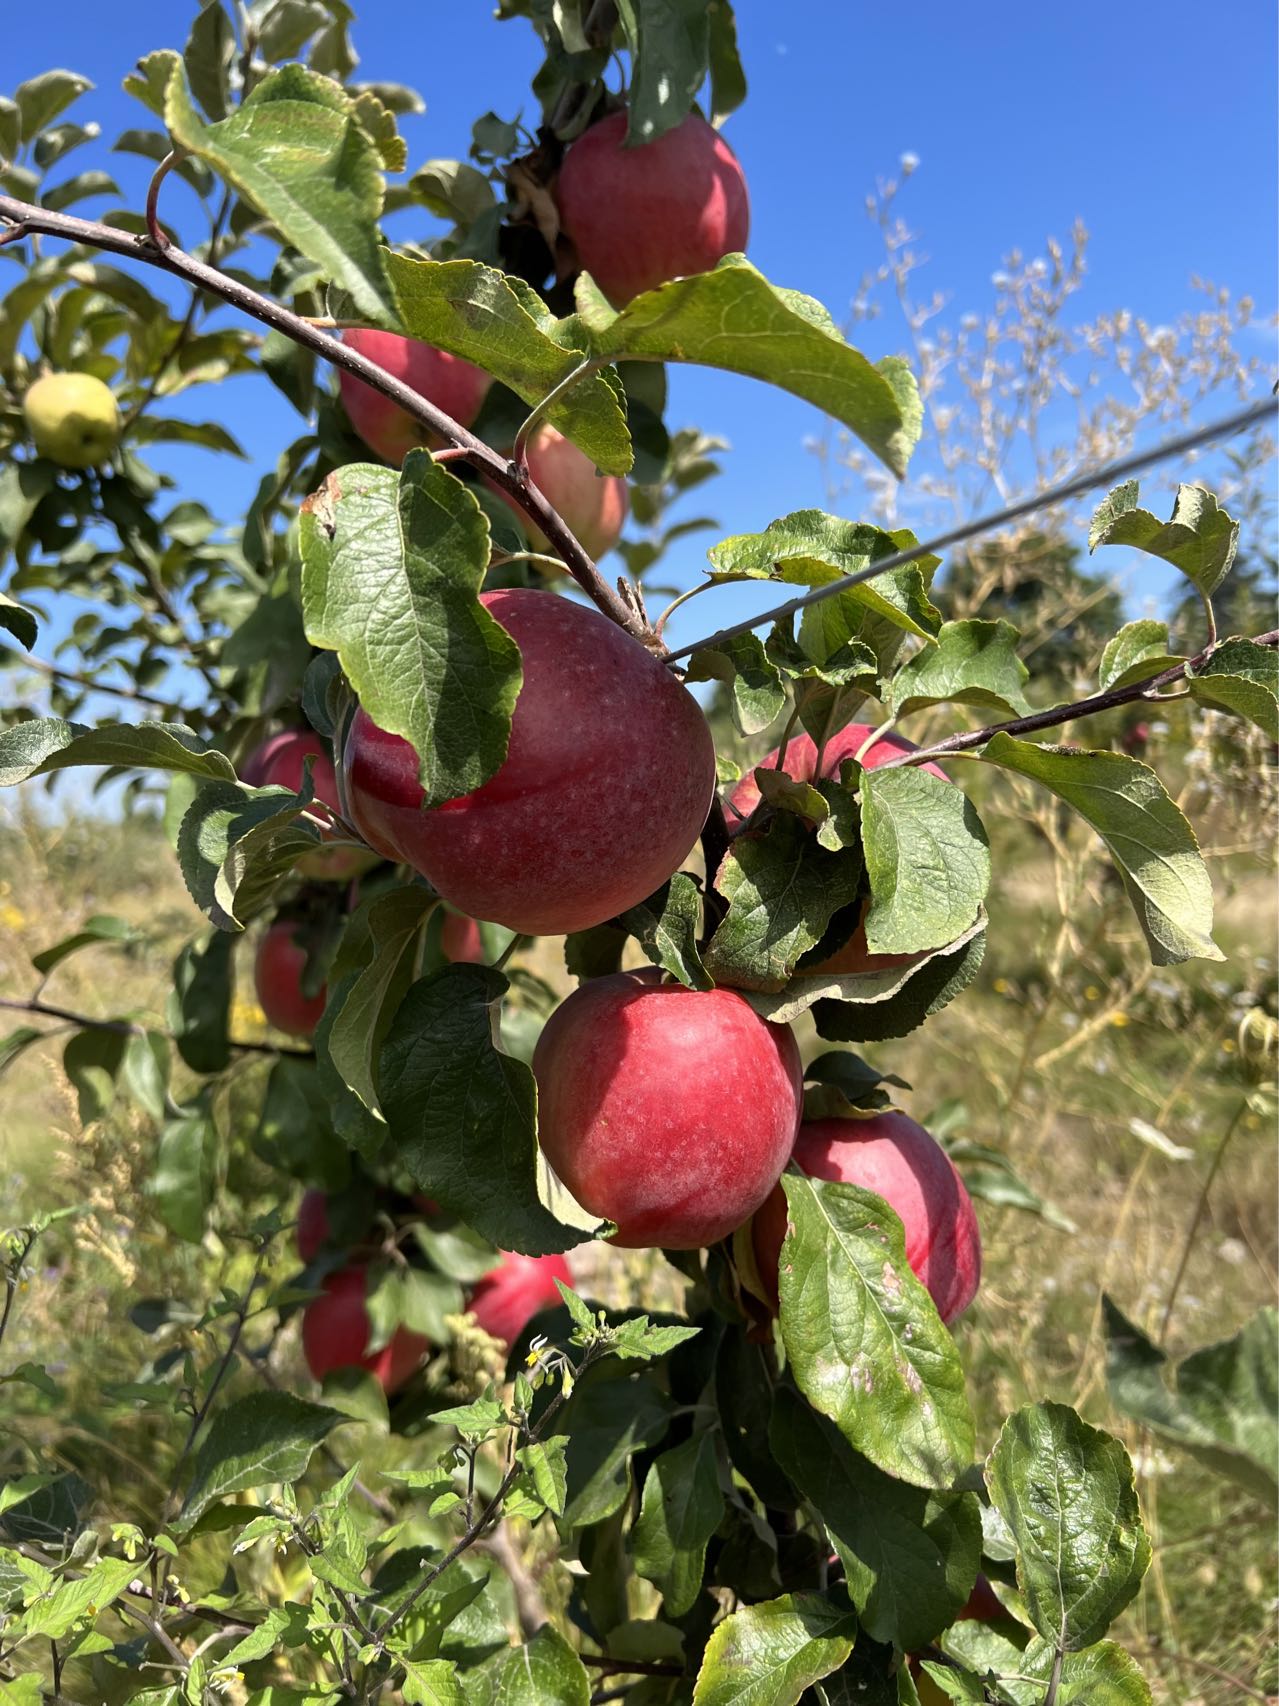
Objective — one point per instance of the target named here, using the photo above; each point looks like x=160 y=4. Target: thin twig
x=1112 y=473
x=127 y=1027
x=87 y=681
x=1193 y=1229
x=233 y=1339
x=487 y=461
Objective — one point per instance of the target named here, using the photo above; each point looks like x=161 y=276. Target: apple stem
x=155 y=230
x=26 y=218
x=875 y=735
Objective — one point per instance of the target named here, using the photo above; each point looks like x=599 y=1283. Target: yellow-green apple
x=73 y=419
x=604 y=789
x=669 y=1110
x=452 y=384
x=640 y=216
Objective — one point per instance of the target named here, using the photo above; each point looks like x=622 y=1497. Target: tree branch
x=1056 y=714
x=134 y=693
x=127 y=1028
x=26 y=219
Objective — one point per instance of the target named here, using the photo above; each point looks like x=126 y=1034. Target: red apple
x=313 y=1230
x=453 y=385
x=277 y=975
x=668 y=1110
x=460 y=940
x=509 y=1295
x=605 y=786
x=336 y=1329
x=594 y=505
x=641 y=216
x=801 y=763
x=901 y=1162
x=278 y=763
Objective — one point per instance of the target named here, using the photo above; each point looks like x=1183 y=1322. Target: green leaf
x=17 y=620
x=972 y=663
x=910 y=1556
x=768 y=1654
x=612 y=1414
x=387 y=930
x=1240 y=677
x=669 y=47
x=990 y=1175
x=40 y=99
x=545 y=1671
x=733 y=318
x=452 y=189
x=927 y=858
x=1148 y=838
x=905 y=998
x=17 y=1042
x=547 y=1472
x=1104 y=1675
x=782 y=889
x=295 y=149
x=99 y=928
x=1066 y=1492
x=53 y=1615
x=1199 y=539
x=460 y=1112
x=79 y=188
x=728 y=80
x=253 y=1442
x=44 y=744
x=235 y=844
x=742 y=664
x=1138 y=651
x=92 y=1060
x=182 y=1185
x=431 y=1682
x=1221 y=1405
x=207 y=57
x=666 y=927
x=496 y=321
x=391 y=572
x=681 y=1508
x=22 y=484
x=200 y=1003
x=863 y=1337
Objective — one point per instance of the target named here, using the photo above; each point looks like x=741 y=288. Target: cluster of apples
x=336 y=1328
x=670 y=1111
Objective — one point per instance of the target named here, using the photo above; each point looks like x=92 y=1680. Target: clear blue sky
x=1154 y=123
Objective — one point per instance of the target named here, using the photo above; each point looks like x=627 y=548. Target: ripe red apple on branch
x=901 y=1162
x=639 y=216
x=279 y=763
x=453 y=385
x=605 y=787
x=278 y=968
x=594 y=506
x=671 y=1111
x=336 y=1330
x=506 y=1298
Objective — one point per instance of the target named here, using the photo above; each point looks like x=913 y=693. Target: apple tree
x=412 y=747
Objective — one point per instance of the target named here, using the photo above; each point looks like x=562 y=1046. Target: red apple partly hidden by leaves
x=278 y=763
x=594 y=505
x=460 y=940
x=983 y=1607
x=453 y=385
x=801 y=766
x=901 y=1162
x=336 y=1330
x=671 y=1111
x=640 y=216
x=509 y=1295
x=277 y=976
x=313 y=1228
x=598 y=719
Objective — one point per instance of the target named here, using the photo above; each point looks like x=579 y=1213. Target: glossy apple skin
x=313 y=1224
x=453 y=385
x=277 y=976
x=901 y=1162
x=801 y=763
x=335 y=1331
x=671 y=1111
x=460 y=940
x=509 y=1295
x=594 y=505
x=641 y=216
x=278 y=763
x=597 y=720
